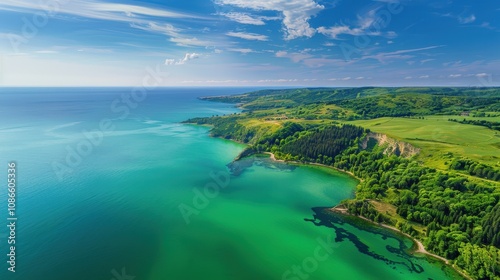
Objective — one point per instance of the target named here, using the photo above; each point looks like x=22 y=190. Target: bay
x=152 y=198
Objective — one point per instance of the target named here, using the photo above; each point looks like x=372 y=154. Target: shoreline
x=343 y=211
x=420 y=247
x=273 y=157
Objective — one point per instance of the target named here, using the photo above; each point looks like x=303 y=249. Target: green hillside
x=447 y=195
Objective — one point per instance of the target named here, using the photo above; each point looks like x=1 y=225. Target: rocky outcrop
x=391 y=146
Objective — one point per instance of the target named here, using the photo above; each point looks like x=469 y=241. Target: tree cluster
x=475 y=169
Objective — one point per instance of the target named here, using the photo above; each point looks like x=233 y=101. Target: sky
x=250 y=43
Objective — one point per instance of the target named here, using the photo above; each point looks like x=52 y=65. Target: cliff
x=392 y=146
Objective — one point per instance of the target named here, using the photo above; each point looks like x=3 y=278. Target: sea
x=109 y=184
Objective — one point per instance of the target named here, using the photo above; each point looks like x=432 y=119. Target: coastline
x=273 y=157
x=343 y=211
x=420 y=247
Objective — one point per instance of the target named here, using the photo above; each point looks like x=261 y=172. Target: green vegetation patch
x=439 y=138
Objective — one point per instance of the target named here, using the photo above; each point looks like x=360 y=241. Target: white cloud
x=335 y=31
x=243 y=51
x=97 y=10
x=295 y=57
x=391 y=34
x=170 y=62
x=367 y=24
x=423 y=61
x=187 y=57
x=222 y=81
x=140 y=17
x=277 y=80
x=166 y=29
x=401 y=54
x=133 y=9
x=296 y=13
x=323 y=62
x=281 y=54
x=245 y=18
x=455 y=75
x=172 y=32
x=468 y=19
x=482 y=75
x=181 y=41
x=424 y=77
x=461 y=19
x=487 y=25
x=248 y=36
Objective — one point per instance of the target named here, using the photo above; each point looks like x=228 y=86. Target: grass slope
x=440 y=139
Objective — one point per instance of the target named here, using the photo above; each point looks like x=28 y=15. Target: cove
x=117 y=213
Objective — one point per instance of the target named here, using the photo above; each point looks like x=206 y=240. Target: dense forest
x=402 y=105
x=320 y=144
x=371 y=102
x=455 y=212
x=452 y=209
x=476 y=169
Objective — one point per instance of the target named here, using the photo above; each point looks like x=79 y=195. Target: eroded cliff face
x=391 y=146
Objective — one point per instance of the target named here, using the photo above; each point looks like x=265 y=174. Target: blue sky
x=250 y=42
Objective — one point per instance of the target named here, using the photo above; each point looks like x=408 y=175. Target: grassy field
x=440 y=139
x=390 y=211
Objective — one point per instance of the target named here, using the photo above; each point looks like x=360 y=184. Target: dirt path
x=274 y=157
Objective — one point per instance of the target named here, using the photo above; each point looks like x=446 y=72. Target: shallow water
x=156 y=199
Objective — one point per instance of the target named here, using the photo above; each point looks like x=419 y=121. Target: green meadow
x=440 y=139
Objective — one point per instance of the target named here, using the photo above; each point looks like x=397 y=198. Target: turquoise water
x=155 y=199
